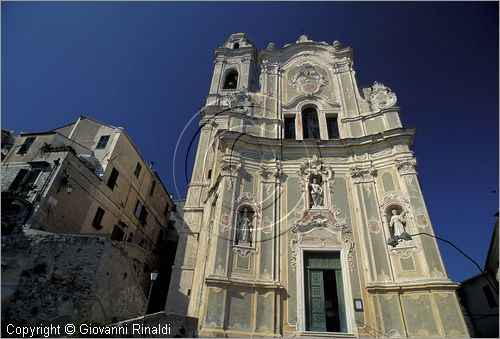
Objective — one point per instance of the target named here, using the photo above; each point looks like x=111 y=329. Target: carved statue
x=316 y=193
x=244 y=227
x=397 y=222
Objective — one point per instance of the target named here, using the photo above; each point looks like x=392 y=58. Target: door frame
x=301 y=295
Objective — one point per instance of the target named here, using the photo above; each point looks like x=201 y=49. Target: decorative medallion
x=308 y=80
x=267 y=226
x=240 y=101
x=374 y=225
x=381 y=96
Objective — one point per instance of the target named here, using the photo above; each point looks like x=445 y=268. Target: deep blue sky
x=147 y=67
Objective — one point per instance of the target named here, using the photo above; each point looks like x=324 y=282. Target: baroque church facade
x=304 y=208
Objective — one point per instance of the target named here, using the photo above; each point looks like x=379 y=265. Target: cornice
x=405 y=134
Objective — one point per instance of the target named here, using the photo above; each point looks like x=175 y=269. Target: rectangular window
x=14 y=186
x=489 y=297
x=26 y=145
x=137 y=171
x=118 y=233
x=140 y=212
x=31 y=178
x=325 y=304
x=152 y=189
x=99 y=214
x=333 y=127
x=103 y=141
x=289 y=128
x=209 y=174
x=143 y=216
x=112 y=178
x=137 y=209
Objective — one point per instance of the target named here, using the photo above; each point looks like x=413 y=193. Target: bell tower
x=235 y=67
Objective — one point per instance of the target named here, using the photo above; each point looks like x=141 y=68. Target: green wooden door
x=316 y=301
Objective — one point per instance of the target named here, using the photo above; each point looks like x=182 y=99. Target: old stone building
x=85 y=219
x=84 y=178
x=302 y=203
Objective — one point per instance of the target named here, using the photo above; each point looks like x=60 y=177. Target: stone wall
x=58 y=279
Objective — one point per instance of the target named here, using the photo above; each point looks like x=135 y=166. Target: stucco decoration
x=308 y=80
x=271 y=173
x=267 y=226
x=244 y=252
x=230 y=169
x=315 y=166
x=224 y=221
x=219 y=271
x=240 y=102
x=396 y=201
x=247 y=199
x=363 y=176
x=303 y=39
x=381 y=153
x=266 y=276
x=329 y=221
x=407 y=169
x=381 y=96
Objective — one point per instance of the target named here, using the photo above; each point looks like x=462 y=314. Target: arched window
x=236 y=45
x=310 y=125
x=231 y=79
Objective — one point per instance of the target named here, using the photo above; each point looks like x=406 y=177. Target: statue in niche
x=243 y=232
x=397 y=223
x=316 y=193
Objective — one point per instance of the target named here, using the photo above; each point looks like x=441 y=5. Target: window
x=152 y=189
x=103 y=141
x=16 y=183
x=25 y=180
x=26 y=145
x=130 y=237
x=140 y=212
x=236 y=45
x=310 y=126
x=324 y=298
x=31 y=178
x=112 y=178
x=209 y=174
x=489 y=296
x=333 y=127
x=137 y=171
x=290 y=128
x=231 y=79
x=98 y=218
x=118 y=233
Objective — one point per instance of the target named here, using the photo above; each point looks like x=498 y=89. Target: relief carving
x=381 y=96
x=308 y=80
x=364 y=176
